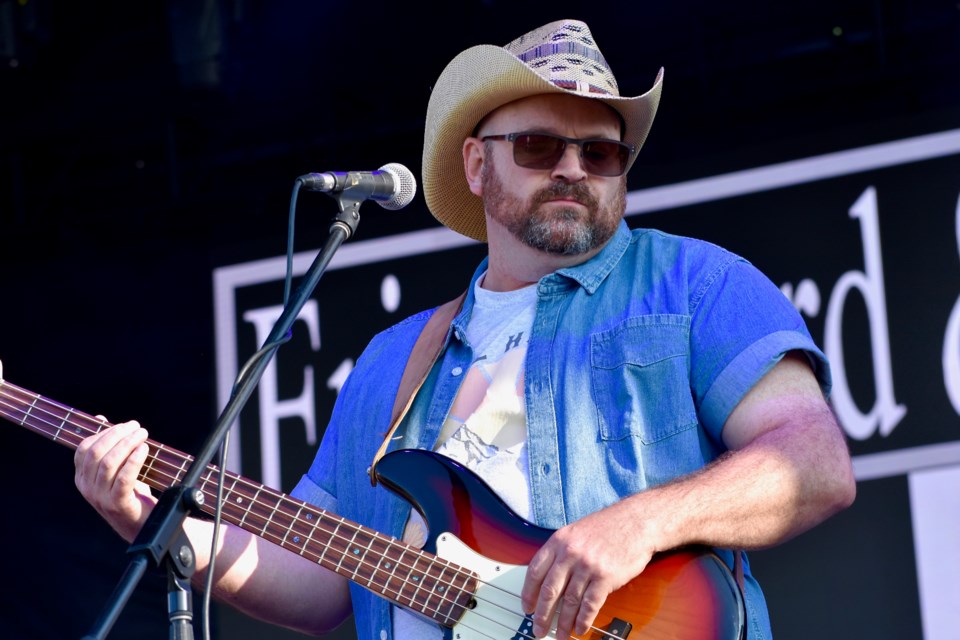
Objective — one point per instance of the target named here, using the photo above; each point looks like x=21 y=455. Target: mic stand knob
x=346 y=221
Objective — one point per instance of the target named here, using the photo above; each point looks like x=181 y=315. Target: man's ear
x=473 y=150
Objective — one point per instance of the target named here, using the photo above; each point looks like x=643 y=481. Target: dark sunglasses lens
x=536 y=151
x=605 y=157
x=543 y=151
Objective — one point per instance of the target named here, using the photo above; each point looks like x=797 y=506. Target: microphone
x=392 y=186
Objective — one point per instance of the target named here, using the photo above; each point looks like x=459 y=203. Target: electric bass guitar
x=468 y=576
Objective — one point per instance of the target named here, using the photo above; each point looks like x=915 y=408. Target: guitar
x=468 y=576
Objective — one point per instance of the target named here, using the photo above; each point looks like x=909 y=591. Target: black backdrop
x=145 y=145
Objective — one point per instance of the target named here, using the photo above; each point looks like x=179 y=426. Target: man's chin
x=566 y=242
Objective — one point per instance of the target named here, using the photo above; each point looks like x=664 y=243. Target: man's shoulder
x=418 y=319
x=666 y=238
x=664 y=246
x=412 y=324
x=393 y=344
x=403 y=333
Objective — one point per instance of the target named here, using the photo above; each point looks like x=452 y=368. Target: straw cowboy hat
x=560 y=57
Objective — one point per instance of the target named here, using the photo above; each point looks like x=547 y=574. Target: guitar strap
x=425 y=352
x=424 y=355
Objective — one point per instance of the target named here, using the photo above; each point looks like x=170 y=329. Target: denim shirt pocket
x=640 y=378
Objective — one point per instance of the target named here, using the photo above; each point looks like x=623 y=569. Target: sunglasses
x=600 y=156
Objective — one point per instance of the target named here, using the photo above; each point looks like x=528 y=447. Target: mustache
x=577 y=191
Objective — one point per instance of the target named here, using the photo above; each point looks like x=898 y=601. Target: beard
x=555 y=229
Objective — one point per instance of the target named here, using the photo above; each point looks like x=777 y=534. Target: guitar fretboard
x=398 y=572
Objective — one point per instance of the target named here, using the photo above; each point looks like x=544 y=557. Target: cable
x=261 y=353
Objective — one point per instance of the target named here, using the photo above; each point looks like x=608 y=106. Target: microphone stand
x=162 y=538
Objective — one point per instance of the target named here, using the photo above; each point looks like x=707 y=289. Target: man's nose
x=570 y=166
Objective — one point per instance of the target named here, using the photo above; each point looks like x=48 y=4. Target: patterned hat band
x=560 y=62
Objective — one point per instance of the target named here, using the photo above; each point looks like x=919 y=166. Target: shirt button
x=383 y=634
x=456 y=371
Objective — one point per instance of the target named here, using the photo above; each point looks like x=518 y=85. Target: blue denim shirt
x=635 y=361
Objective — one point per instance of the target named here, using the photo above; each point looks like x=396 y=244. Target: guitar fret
x=438 y=592
x=253 y=515
x=275 y=514
x=209 y=502
x=283 y=515
x=384 y=562
x=250 y=502
x=433 y=588
x=148 y=466
x=63 y=421
x=418 y=578
x=280 y=523
x=212 y=478
x=296 y=539
x=309 y=541
x=333 y=536
x=362 y=559
x=345 y=554
x=26 y=415
x=235 y=503
x=64 y=428
x=405 y=578
x=206 y=479
x=398 y=563
x=230 y=508
x=358 y=550
x=234 y=511
x=455 y=609
x=181 y=470
x=52 y=411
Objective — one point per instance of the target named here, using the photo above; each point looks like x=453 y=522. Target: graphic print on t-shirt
x=486 y=428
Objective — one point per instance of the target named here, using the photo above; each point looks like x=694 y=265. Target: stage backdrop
x=865 y=244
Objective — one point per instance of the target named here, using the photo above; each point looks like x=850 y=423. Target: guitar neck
x=390 y=568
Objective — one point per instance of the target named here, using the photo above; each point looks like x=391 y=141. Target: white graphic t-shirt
x=486 y=429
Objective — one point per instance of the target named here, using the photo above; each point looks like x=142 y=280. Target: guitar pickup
x=525 y=631
x=618 y=629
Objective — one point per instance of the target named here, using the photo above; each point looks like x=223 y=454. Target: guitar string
x=399 y=594
x=158 y=447
x=173 y=477
x=156 y=462
x=159 y=465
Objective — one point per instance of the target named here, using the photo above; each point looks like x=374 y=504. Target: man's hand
x=787 y=470
x=107 y=466
x=580 y=565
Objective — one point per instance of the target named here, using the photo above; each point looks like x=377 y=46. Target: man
x=636 y=392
